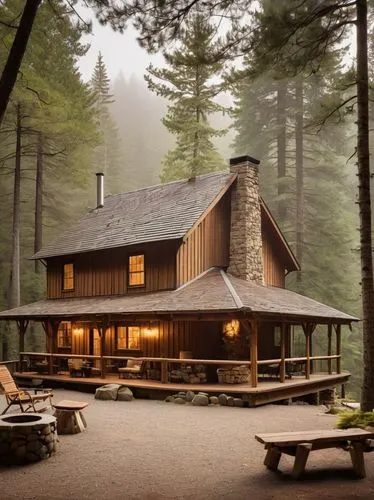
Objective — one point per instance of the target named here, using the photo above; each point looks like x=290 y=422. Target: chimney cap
x=99 y=173
x=243 y=159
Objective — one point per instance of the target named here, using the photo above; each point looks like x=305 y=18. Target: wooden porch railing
x=13 y=363
x=166 y=362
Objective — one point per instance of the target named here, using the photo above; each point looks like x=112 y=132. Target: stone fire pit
x=26 y=437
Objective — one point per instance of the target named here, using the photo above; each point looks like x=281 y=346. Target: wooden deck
x=268 y=390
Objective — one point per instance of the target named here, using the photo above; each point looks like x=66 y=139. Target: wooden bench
x=300 y=444
x=69 y=417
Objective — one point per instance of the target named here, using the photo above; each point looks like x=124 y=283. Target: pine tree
x=187 y=84
x=107 y=156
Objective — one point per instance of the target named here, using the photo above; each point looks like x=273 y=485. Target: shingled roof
x=212 y=292
x=156 y=213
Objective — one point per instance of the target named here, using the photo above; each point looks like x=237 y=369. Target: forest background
x=59 y=130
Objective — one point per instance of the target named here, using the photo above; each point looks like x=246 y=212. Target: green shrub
x=360 y=419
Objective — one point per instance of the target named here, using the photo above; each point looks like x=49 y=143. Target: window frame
x=129 y=273
x=67 y=334
x=126 y=338
x=72 y=277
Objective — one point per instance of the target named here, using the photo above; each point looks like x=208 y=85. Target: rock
x=32 y=437
x=124 y=394
x=169 y=399
x=108 y=391
x=21 y=452
x=214 y=400
x=203 y=394
x=200 y=400
x=222 y=398
x=189 y=396
x=194 y=380
x=230 y=401
x=31 y=457
x=34 y=446
x=180 y=401
x=238 y=402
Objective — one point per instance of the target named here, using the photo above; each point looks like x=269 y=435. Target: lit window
x=136 y=270
x=64 y=334
x=133 y=337
x=128 y=337
x=68 y=276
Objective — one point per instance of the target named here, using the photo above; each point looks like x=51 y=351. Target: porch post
x=102 y=332
x=51 y=328
x=22 y=325
x=306 y=328
x=282 y=366
x=329 y=347
x=254 y=351
x=338 y=349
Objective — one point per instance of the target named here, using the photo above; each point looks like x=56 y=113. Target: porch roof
x=212 y=292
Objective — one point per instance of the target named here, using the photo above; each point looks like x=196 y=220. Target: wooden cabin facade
x=192 y=268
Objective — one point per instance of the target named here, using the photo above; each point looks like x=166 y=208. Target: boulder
x=179 y=401
x=222 y=398
x=214 y=400
x=108 y=391
x=124 y=394
x=230 y=401
x=189 y=396
x=200 y=400
x=238 y=402
x=169 y=399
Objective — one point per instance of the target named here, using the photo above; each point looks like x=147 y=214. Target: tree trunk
x=38 y=237
x=14 y=297
x=281 y=148
x=364 y=202
x=299 y=138
x=17 y=51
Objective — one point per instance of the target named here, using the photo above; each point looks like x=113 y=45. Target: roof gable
x=157 y=213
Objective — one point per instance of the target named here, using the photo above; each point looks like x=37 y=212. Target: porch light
x=231 y=329
x=151 y=330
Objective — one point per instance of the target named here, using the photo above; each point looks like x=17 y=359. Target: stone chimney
x=246 y=260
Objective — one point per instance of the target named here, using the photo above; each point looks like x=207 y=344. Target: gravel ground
x=153 y=450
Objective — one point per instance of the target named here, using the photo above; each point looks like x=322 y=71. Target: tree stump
x=70 y=419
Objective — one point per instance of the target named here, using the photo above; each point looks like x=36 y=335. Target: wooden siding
x=207 y=245
x=274 y=267
x=105 y=272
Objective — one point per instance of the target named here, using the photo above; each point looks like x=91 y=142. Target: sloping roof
x=212 y=292
x=156 y=213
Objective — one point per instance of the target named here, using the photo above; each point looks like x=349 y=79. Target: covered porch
x=215 y=331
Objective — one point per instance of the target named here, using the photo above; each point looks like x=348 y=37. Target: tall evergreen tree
x=187 y=84
x=107 y=156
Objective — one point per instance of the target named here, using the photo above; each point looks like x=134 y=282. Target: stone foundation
x=26 y=438
x=234 y=375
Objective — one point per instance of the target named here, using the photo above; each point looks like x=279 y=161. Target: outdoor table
x=70 y=419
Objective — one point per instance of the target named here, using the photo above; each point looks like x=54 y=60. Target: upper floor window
x=68 y=276
x=64 y=334
x=136 y=270
x=128 y=337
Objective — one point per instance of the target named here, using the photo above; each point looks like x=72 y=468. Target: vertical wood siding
x=105 y=272
x=274 y=268
x=208 y=245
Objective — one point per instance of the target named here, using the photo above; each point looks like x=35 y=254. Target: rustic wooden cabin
x=187 y=277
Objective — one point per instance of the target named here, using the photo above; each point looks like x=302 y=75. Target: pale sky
x=121 y=52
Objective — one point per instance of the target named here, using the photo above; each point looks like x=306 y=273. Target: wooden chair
x=76 y=366
x=18 y=396
x=134 y=369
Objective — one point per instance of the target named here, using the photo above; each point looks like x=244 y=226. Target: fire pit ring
x=26 y=438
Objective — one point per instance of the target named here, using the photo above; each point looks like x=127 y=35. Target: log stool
x=70 y=419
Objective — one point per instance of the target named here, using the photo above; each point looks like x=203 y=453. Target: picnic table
x=300 y=444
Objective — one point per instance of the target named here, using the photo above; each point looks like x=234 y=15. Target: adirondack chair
x=18 y=396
